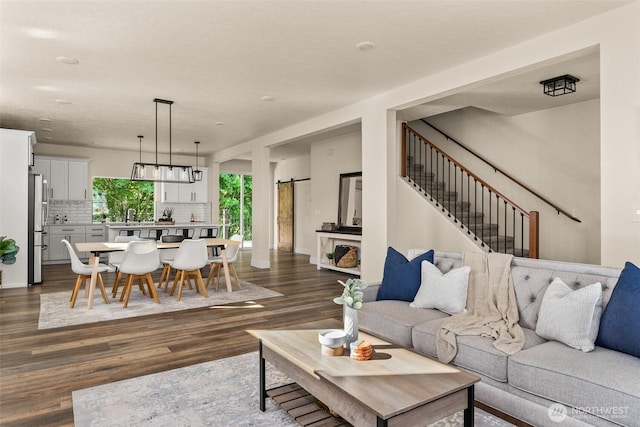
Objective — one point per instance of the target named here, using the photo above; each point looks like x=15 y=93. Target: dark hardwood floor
x=40 y=369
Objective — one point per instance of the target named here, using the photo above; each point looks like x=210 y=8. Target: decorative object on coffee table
x=351 y=299
x=332 y=341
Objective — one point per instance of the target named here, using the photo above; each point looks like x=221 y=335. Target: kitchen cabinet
x=78 y=176
x=73 y=234
x=183 y=193
x=59 y=180
x=67 y=178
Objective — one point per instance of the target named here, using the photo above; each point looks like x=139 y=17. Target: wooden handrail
x=497 y=169
x=467 y=171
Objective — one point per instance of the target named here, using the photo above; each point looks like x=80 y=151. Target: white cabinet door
x=78 y=176
x=57 y=249
x=196 y=192
x=168 y=192
x=200 y=188
x=59 y=180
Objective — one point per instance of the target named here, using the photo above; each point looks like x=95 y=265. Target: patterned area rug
x=55 y=311
x=218 y=393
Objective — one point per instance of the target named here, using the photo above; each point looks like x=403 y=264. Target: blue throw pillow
x=620 y=323
x=401 y=279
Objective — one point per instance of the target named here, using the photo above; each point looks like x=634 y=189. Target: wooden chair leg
x=182 y=273
x=76 y=288
x=127 y=290
x=235 y=275
x=114 y=289
x=210 y=275
x=218 y=278
x=164 y=276
x=141 y=285
x=124 y=287
x=175 y=282
x=152 y=288
x=102 y=290
x=200 y=282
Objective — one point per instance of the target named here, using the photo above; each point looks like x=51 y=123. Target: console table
x=327 y=240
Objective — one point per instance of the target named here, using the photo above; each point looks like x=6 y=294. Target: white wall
x=330 y=158
x=556 y=152
x=419 y=224
x=14 y=179
x=285 y=170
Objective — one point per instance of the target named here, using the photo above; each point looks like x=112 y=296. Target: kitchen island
x=149 y=229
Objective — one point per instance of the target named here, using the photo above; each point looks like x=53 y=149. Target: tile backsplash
x=79 y=211
x=76 y=211
x=182 y=211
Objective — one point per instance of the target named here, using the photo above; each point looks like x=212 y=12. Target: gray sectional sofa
x=546 y=383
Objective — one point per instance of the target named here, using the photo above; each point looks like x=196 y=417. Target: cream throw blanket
x=491 y=307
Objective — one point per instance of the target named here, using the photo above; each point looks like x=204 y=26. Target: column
x=261 y=211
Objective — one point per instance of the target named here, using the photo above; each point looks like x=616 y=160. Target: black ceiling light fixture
x=161 y=172
x=561 y=85
x=197 y=174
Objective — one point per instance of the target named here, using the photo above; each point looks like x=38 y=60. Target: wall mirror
x=350 y=202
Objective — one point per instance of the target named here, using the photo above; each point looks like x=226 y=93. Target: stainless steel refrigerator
x=38 y=210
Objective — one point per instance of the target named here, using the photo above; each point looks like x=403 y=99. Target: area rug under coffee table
x=218 y=393
x=55 y=311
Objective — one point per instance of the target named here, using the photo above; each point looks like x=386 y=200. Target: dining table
x=95 y=249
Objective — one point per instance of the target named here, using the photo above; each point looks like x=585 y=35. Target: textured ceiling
x=216 y=59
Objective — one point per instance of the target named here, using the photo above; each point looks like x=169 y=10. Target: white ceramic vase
x=350 y=318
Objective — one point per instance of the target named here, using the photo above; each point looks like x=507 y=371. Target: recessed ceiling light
x=66 y=60
x=46 y=88
x=268 y=98
x=47 y=129
x=44 y=119
x=366 y=45
x=219 y=123
x=63 y=101
x=40 y=33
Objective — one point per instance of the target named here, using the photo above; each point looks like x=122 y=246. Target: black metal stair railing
x=488 y=216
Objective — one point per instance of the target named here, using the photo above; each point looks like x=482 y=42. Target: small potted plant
x=351 y=299
x=167 y=215
x=330 y=257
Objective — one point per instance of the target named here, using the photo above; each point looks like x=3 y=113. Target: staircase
x=492 y=220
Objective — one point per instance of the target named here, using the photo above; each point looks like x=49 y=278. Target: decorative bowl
x=332 y=338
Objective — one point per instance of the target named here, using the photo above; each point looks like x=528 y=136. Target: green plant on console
x=8 y=250
x=352 y=294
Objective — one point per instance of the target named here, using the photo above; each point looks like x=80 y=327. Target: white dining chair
x=115 y=259
x=215 y=263
x=140 y=259
x=190 y=258
x=84 y=274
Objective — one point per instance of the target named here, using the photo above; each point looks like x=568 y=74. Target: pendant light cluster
x=158 y=172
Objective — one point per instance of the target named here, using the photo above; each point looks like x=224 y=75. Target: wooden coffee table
x=398 y=387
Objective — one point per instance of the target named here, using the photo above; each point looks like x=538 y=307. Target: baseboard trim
x=260 y=263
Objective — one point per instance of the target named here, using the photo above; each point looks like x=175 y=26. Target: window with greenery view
x=235 y=196
x=113 y=196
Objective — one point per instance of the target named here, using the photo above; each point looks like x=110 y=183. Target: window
x=113 y=196
x=235 y=198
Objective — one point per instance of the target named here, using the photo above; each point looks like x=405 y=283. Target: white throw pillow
x=445 y=292
x=571 y=316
